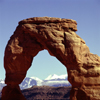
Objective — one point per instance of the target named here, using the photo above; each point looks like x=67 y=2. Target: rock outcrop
x=58 y=37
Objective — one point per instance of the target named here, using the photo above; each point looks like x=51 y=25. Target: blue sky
x=85 y=12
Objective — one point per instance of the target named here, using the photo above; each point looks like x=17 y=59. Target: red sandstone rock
x=12 y=93
x=58 y=37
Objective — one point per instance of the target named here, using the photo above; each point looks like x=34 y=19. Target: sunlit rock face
x=58 y=37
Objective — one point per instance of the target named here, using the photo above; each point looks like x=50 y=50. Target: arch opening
x=45 y=70
x=44 y=63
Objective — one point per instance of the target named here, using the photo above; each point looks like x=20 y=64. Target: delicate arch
x=58 y=37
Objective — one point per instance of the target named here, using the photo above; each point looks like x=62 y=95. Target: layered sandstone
x=58 y=37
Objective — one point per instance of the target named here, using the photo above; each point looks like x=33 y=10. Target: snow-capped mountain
x=2 y=84
x=55 y=80
x=29 y=82
x=51 y=80
x=54 y=76
x=38 y=81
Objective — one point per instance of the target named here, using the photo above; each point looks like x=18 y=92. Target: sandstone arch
x=58 y=37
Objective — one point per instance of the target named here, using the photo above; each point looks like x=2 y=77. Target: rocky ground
x=47 y=93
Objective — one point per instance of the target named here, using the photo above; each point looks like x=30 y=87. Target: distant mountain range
x=51 y=80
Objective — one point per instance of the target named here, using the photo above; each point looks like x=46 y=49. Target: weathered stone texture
x=58 y=37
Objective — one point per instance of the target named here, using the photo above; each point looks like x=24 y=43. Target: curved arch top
x=58 y=37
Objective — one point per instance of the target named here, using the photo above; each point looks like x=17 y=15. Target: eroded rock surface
x=58 y=37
